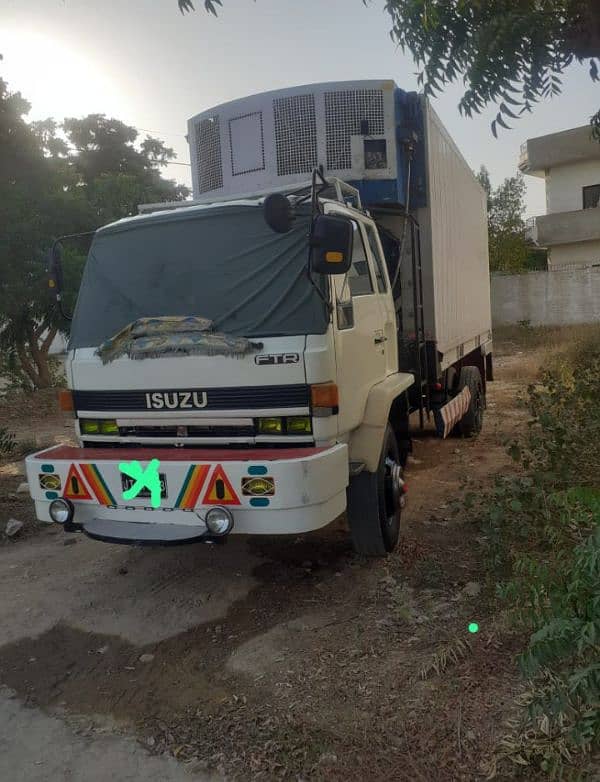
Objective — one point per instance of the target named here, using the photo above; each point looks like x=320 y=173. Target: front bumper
x=308 y=490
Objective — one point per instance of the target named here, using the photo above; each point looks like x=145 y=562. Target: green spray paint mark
x=473 y=627
x=144 y=479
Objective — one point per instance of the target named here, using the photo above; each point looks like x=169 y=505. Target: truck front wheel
x=375 y=503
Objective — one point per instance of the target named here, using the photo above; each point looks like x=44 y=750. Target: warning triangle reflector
x=75 y=488
x=220 y=491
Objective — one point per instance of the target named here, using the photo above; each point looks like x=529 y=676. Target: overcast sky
x=146 y=64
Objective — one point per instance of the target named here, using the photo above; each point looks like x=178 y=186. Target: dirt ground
x=265 y=658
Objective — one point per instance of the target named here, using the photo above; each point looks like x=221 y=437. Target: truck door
x=360 y=344
x=384 y=296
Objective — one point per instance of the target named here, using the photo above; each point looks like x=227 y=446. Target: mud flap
x=449 y=415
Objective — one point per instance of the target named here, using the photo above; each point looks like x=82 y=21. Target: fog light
x=89 y=426
x=219 y=521
x=270 y=425
x=298 y=425
x=109 y=426
x=61 y=511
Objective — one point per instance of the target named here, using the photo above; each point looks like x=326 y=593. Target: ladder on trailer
x=420 y=353
x=413 y=350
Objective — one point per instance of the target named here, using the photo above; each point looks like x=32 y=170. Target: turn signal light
x=65 y=400
x=325 y=395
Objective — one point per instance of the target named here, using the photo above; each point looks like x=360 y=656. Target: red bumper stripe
x=177 y=454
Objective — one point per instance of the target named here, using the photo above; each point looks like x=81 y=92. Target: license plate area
x=127 y=483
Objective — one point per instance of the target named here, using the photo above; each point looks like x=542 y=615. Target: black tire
x=374 y=504
x=471 y=423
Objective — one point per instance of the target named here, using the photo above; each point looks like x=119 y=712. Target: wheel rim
x=392 y=487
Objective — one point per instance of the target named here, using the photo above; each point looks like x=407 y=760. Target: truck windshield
x=222 y=263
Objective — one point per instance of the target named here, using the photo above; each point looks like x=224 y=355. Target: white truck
x=259 y=352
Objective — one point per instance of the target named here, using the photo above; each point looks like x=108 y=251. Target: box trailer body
x=262 y=347
x=392 y=146
x=454 y=241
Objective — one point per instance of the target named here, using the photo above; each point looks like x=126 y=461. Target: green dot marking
x=473 y=627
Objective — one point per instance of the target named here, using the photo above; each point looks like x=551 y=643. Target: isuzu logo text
x=176 y=400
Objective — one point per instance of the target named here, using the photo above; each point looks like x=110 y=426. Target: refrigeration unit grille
x=295 y=134
x=208 y=154
x=348 y=113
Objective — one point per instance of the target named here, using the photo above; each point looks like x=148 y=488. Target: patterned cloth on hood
x=169 y=336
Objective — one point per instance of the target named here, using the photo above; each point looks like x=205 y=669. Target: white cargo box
x=454 y=249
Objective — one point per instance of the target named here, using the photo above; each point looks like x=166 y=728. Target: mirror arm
x=317 y=172
x=72 y=236
x=320 y=293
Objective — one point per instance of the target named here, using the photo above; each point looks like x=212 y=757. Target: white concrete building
x=570 y=163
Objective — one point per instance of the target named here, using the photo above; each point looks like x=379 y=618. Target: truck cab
x=250 y=364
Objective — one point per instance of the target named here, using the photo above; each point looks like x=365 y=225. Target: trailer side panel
x=454 y=247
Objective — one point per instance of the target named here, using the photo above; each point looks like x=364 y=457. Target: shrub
x=542 y=532
x=7 y=441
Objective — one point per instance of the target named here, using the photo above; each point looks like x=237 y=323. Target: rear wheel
x=472 y=421
x=375 y=503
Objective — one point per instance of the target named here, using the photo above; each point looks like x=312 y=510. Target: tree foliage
x=508 y=52
x=509 y=250
x=38 y=199
x=57 y=180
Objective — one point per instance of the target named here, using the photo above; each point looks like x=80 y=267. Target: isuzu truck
x=252 y=361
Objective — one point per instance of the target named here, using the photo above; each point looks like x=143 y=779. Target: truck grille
x=240 y=398
x=190 y=431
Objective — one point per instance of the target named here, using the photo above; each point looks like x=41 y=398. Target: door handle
x=379 y=340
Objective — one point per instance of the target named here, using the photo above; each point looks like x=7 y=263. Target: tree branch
x=45 y=346
x=26 y=365
x=37 y=332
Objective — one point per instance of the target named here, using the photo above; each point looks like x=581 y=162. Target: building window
x=591 y=196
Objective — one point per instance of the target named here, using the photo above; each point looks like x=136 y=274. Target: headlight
x=219 y=521
x=298 y=425
x=89 y=426
x=92 y=426
x=270 y=425
x=61 y=511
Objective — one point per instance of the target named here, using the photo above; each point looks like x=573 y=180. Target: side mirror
x=278 y=212
x=331 y=245
x=55 y=270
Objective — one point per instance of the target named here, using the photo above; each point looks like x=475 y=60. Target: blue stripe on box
x=257 y=470
x=47 y=468
x=51 y=495
x=259 y=502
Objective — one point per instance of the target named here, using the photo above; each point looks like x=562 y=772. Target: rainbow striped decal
x=192 y=486
x=97 y=484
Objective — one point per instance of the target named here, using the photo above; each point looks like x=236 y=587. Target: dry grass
x=508 y=339
x=545 y=347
